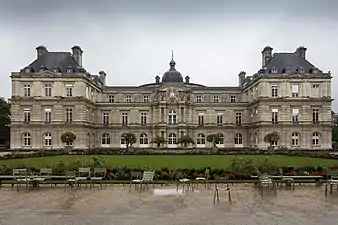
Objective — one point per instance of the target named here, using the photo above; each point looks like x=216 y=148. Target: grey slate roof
x=289 y=61
x=172 y=75
x=60 y=60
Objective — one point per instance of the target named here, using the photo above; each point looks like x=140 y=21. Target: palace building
x=55 y=94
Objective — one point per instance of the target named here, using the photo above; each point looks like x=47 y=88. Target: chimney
x=266 y=56
x=41 y=50
x=301 y=50
x=241 y=78
x=77 y=54
x=157 y=79
x=102 y=77
x=187 y=79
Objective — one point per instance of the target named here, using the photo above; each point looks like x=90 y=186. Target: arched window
x=123 y=142
x=48 y=139
x=294 y=139
x=238 y=139
x=26 y=139
x=172 y=117
x=315 y=138
x=220 y=139
x=105 y=139
x=143 y=139
x=201 y=139
x=88 y=140
x=172 y=139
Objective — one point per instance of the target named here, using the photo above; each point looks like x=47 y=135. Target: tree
x=5 y=121
x=68 y=138
x=185 y=140
x=271 y=137
x=214 y=139
x=129 y=139
x=159 y=140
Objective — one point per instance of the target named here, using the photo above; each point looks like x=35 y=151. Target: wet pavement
x=163 y=205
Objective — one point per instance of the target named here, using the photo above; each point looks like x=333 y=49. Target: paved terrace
x=115 y=205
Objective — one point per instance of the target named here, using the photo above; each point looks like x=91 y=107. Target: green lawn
x=170 y=161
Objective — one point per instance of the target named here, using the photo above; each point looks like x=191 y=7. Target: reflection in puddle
x=167 y=205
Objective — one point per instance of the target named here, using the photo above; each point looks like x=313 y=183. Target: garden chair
x=70 y=179
x=21 y=177
x=98 y=176
x=221 y=180
x=147 y=178
x=45 y=174
x=205 y=179
x=83 y=176
x=183 y=180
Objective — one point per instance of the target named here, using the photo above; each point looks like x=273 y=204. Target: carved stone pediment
x=296 y=76
x=48 y=73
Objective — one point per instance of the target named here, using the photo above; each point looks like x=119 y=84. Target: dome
x=172 y=75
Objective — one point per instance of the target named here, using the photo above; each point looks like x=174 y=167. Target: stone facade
x=55 y=94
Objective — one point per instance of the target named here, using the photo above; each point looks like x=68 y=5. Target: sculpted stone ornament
x=172 y=95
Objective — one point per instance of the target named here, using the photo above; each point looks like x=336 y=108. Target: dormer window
x=56 y=70
x=69 y=70
x=42 y=68
x=313 y=70
x=28 y=70
x=300 y=70
x=274 y=70
x=287 y=70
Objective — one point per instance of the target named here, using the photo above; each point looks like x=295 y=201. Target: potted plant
x=214 y=139
x=129 y=140
x=159 y=141
x=185 y=140
x=271 y=138
x=68 y=138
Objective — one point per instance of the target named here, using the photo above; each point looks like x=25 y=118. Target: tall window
x=48 y=115
x=238 y=118
x=27 y=115
x=295 y=139
x=172 y=139
x=69 y=90
x=172 y=117
x=143 y=118
x=315 y=139
x=274 y=115
x=128 y=98
x=105 y=139
x=238 y=139
x=201 y=139
x=200 y=118
x=124 y=118
x=48 y=90
x=143 y=139
x=198 y=98
x=26 y=139
x=219 y=118
x=295 y=115
x=233 y=98
x=215 y=98
x=315 y=90
x=145 y=98
x=27 y=90
x=69 y=115
x=295 y=90
x=105 y=118
x=315 y=115
x=48 y=139
x=111 y=98
x=162 y=114
x=221 y=139
x=274 y=91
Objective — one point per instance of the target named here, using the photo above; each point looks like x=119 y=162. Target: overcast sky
x=132 y=40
